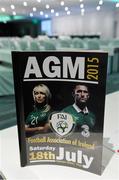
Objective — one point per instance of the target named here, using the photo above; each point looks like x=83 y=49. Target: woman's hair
x=44 y=89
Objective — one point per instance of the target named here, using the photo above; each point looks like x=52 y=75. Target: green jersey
x=38 y=117
x=81 y=118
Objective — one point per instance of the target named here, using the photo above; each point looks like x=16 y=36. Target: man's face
x=40 y=96
x=81 y=94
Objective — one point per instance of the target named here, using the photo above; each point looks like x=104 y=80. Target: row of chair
x=40 y=43
x=46 y=43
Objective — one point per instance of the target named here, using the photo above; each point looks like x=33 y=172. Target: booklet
x=60 y=103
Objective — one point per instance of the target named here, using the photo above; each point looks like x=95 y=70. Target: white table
x=10 y=161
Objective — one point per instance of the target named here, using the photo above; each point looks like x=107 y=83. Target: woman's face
x=40 y=96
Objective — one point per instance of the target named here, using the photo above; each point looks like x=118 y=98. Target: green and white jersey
x=38 y=117
x=80 y=117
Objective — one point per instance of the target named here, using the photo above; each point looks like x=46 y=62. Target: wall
x=20 y=28
x=90 y=23
x=117 y=23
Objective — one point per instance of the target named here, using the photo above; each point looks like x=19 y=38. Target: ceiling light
x=39 y=1
x=14 y=13
x=66 y=8
x=100 y=2
x=82 y=10
x=81 y=5
x=3 y=9
x=62 y=3
x=25 y=3
x=117 y=5
x=52 y=10
x=47 y=6
x=31 y=14
x=56 y=14
x=34 y=9
x=68 y=12
x=46 y=15
x=41 y=13
x=12 y=6
x=98 y=8
x=80 y=0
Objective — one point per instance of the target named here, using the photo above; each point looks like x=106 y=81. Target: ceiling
x=25 y=7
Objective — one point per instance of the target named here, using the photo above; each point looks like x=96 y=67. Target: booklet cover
x=60 y=102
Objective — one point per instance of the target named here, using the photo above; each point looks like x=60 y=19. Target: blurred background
x=36 y=25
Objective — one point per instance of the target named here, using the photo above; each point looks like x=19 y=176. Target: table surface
x=10 y=161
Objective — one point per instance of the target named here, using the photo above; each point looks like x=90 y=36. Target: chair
x=93 y=44
x=78 y=43
x=47 y=44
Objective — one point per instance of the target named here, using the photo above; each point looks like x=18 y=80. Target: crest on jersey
x=62 y=123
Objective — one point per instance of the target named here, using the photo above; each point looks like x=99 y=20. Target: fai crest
x=62 y=123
